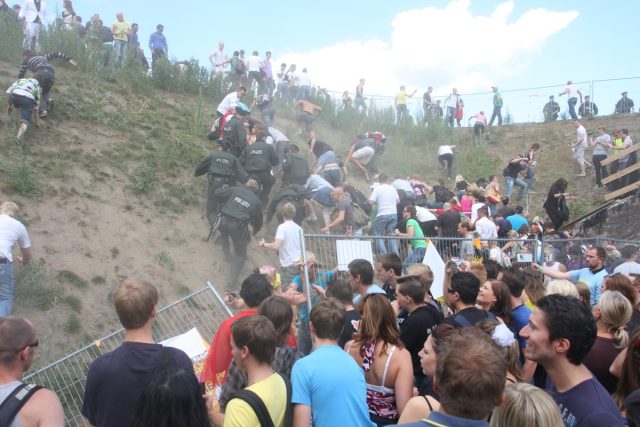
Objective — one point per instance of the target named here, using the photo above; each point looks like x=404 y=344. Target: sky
x=466 y=44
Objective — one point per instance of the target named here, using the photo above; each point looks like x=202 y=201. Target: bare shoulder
x=42 y=410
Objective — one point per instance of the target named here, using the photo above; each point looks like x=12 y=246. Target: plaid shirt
x=282 y=363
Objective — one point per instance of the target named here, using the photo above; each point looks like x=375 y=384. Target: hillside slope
x=107 y=191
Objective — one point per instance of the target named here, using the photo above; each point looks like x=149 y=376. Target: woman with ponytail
x=612 y=312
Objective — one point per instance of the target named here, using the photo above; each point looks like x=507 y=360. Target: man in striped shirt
x=42 y=65
x=25 y=95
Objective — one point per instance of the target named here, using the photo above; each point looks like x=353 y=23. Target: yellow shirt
x=401 y=98
x=272 y=391
x=120 y=30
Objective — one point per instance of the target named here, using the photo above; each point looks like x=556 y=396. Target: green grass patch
x=67 y=276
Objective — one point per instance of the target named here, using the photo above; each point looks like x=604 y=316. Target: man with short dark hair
x=559 y=334
x=592 y=275
x=158 y=45
x=341 y=290
x=517 y=220
x=388 y=270
x=328 y=385
x=253 y=345
x=41 y=407
x=588 y=109
x=470 y=378
x=461 y=294
x=387 y=199
x=116 y=379
x=466 y=251
x=551 y=110
x=360 y=275
x=512 y=176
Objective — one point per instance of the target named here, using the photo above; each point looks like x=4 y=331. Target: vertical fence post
x=306 y=271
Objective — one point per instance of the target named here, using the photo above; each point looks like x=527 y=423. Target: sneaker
x=43 y=113
x=50 y=104
x=582 y=174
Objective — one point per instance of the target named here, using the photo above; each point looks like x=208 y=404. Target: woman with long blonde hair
x=387 y=366
x=612 y=313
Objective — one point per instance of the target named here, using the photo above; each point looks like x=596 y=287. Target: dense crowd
x=525 y=334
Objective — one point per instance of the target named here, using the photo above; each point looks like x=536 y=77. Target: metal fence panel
x=203 y=309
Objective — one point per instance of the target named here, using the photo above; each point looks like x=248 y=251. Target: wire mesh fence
x=203 y=309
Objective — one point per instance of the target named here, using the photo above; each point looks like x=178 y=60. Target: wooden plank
x=623 y=172
x=625 y=190
x=588 y=214
x=618 y=156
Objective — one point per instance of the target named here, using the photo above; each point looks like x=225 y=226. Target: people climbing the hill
x=497 y=106
x=556 y=203
x=295 y=167
x=512 y=177
x=306 y=114
x=572 y=93
x=400 y=102
x=601 y=146
x=445 y=155
x=258 y=160
x=12 y=231
x=361 y=153
x=41 y=63
x=551 y=110
x=479 y=127
x=240 y=207
x=222 y=169
x=25 y=95
x=235 y=129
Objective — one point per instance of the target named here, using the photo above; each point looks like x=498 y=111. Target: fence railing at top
x=332 y=251
x=203 y=309
x=522 y=105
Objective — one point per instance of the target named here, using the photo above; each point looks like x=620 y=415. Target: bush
x=11 y=36
x=35 y=286
x=20 y=176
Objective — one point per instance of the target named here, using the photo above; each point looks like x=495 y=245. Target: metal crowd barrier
x=203 y=309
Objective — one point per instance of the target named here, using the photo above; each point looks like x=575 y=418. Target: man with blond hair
x=116 y=379
x=11 y=231
x=121 y=31
x=31 y=405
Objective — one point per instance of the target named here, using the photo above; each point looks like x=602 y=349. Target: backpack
x=259 y=408
x=563 y=209
x=237 y=65
x=360 y=217
x=358 y=198
x=443 y=194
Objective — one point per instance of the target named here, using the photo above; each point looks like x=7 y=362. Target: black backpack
x=443 y=194
x=261 y=410
x=358 y=198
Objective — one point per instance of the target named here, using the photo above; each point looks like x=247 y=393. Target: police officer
x=241 y=207
x=222 y=169
x=258 y=159
x=291 y=193
x=295 y=167
x=235 y=134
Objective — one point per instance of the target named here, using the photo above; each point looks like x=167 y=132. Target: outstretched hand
x=73 y=62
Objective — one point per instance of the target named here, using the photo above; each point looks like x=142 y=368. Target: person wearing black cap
x=551 y=110
x=222 y=169
x=235 y=134
x=241 y=207
x=624 y=105
x=258 y=159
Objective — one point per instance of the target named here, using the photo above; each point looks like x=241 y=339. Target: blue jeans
x=496 y=113
x=510 y=182
x=25 y=105
x=303 y=92
x=385 y=224
x=6 y=289
x=120 y=52
x=572 y=107
x=416 y=256
x=359 y=102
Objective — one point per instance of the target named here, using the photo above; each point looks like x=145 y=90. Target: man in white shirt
x=572 y=93
x=35 y=14
x=219 y=60
x=427 y=221
x=230 y=101
x=11 y=231
x=630 y=265
x=287 y=243
x=445 y=154
x=386 y=198
x=484 y=226
x=304 y=85
x=253 y=67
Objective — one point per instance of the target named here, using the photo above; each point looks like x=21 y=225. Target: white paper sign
x=190 y=342
x=348 y=250
x=435 y=263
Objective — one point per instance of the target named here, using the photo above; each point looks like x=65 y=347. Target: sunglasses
x=33 y=345
x=451 y=291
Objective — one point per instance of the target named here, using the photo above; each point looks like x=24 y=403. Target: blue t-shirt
x=517 y=221
x=587 y=405
x=593 y=281
x=332 y=384
x=322 y=279
x=519 y=319
x=373 y=289
x=440 y=419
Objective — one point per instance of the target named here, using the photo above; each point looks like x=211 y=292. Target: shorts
x=364 y=155
x=323 y=196
x=307 y=119
x=578 y=154
x=26 y=106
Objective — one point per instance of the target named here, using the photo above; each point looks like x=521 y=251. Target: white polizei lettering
x=241 y=202
x=256 y=151
x=225 y=161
